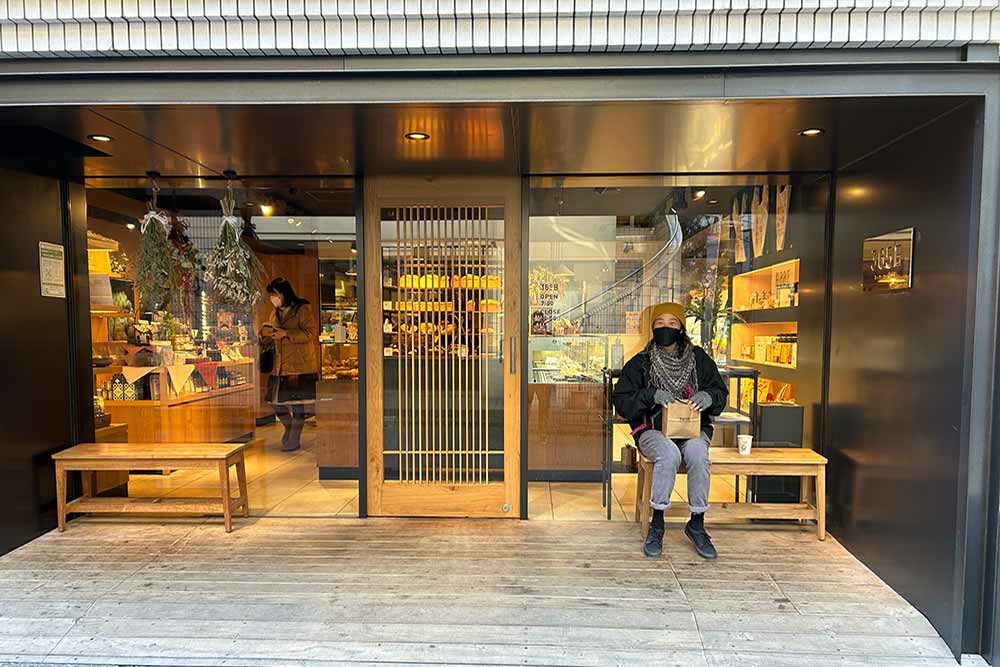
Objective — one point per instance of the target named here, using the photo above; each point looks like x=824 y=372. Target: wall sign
x=887 y=262
x=52 y=269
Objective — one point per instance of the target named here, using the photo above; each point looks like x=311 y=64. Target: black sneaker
x=701 y=541
x=654 y=542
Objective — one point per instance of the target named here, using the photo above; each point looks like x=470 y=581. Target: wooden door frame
x=488 y=500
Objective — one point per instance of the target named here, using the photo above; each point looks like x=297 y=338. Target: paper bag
x=681 y=421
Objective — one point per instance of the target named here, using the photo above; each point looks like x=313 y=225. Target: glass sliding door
x=446 y=335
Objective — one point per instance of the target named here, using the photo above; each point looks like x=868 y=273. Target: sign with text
x=52 y=269
x=887 y=262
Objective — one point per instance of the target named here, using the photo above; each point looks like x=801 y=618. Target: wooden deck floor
x=344 y=592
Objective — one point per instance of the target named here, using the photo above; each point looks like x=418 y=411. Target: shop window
x=734 y=251
x=178 y=358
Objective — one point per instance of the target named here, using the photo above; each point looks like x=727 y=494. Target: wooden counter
x=337 y=426
x=564 y=431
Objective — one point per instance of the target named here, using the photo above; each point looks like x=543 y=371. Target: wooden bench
x=792 y=461
x=92 y=457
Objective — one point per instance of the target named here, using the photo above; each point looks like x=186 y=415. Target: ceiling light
x=291 y=221
x=103 y=138
x=811 y=132
x=130 y=226
x=699 y=194
x=417 y=136
x=354 y=248
x=267 y=209
x=713 y=201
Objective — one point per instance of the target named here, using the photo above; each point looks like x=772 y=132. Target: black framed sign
x=887 y=262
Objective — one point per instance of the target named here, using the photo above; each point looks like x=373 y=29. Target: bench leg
x=241 y=479
x=640 y=479
x=805 y=492
x=61 y=496
x=89 y=483
x=821 y=503
x=227 y=510
x=647 y=492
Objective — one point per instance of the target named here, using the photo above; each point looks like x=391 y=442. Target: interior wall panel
x=896 y=367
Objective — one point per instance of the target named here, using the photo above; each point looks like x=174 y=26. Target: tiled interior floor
x=286 y=484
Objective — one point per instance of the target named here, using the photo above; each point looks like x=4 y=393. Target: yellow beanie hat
x=650 y=314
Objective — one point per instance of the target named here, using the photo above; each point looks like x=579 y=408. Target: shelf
x=445 y=289
x=215 y=393
x=764 y=363
x=110 y=313
x=760 y=315
x=334 y=342
x=780 y=372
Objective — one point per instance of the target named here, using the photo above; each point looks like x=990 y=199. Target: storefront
x=474 y=265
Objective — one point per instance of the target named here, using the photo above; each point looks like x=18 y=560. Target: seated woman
x=672 y=368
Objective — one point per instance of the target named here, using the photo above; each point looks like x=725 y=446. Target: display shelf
x=761 y=315
x=205 y=395
x=773 y=364
x=766 y=288
x=769 y=371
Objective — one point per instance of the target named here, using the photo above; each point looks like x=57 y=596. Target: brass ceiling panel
x=200 y=142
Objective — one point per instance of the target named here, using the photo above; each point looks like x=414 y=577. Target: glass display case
x=567 y=359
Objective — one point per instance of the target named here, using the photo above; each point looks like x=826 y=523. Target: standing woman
x=671 y=368
x=291 y=388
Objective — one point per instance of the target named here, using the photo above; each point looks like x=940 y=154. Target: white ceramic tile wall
x=83 y=28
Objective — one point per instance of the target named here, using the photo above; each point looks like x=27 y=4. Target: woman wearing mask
x=672 y=368
x=291 y=388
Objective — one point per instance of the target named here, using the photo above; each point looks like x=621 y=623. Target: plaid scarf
x=675 y=373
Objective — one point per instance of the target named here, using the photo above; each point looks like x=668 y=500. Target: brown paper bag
x=681 y=421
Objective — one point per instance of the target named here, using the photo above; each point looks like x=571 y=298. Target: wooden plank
x=374 y=357
x=148 y=451
x=146 y=505
x=779 y=455
x=444 y=500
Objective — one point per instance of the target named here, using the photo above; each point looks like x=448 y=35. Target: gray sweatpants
x=666 y=458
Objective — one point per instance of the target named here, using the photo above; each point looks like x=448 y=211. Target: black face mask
x=666 y=336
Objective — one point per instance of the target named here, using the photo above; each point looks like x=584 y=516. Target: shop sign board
x=887 y=262
x=52 y=269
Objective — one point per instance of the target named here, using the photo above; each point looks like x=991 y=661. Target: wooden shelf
x=787 y=314
x=764 y=363
x=779 y=372
x=215 y=393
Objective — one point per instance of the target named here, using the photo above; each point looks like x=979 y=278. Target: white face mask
x=276 y=300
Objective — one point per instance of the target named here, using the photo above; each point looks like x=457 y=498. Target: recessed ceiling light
x=130 y=226
x=291 y=221
x=417 y=136
x=811 y=132
x=713 y=201
x=103 y=138
x=267 y=209
x=699 y=194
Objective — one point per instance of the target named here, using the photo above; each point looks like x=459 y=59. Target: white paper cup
x=743 y=442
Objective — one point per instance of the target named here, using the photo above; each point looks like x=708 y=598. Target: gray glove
x=702 y=401
x=662 y=397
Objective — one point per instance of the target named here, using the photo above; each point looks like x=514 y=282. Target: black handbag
x=266 y=361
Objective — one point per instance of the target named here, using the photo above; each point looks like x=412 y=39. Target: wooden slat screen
x=445 y=303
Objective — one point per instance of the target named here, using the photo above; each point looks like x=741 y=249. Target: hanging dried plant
x=186 y=266
x=155 y=269
x=235 y=273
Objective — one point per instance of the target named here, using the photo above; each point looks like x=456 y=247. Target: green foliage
x=155 y=269
x=235 y=273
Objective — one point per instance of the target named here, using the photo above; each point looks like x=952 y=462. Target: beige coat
x=296 y=354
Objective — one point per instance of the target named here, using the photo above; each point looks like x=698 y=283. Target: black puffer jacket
x=633 y=395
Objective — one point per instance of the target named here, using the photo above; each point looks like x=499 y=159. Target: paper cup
x=744 y=442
